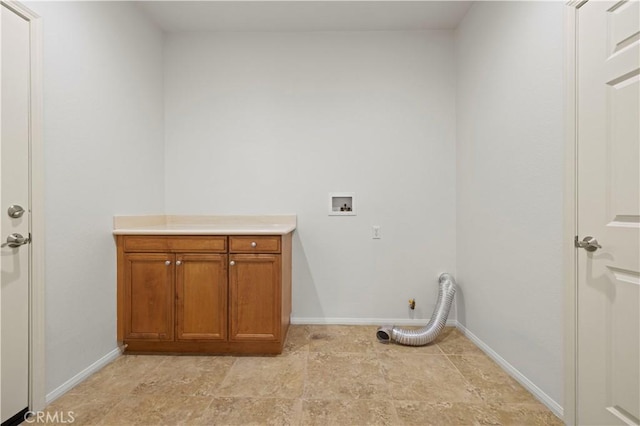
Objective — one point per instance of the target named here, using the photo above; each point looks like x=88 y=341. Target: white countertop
x=203 y=225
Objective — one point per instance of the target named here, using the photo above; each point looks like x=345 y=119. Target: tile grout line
x=226 y=376
x=440 y=349
x=300 y=400
x=458 y=370
x=391 y=397
x=304 y=386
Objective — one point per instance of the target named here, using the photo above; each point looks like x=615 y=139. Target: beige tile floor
x=327 y=375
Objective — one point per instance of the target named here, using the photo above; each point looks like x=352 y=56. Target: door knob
x=16 y=240
x=588 y=243
x=15 y=211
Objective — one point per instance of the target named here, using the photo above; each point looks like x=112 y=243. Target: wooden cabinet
x=204 y=294
x=248 y=244
x=254 y=297
x=201 y=297
x=149 y=295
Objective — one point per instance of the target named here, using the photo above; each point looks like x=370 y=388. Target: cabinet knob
x=178 y=262
x=254 y=244
x=232 y=263
x=167 y=262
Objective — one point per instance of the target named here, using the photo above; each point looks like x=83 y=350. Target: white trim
x=515 y=373
x=1 y=231
x=37 y=304
x=622 y=416
x=364 y=321
x=570 y=212
x=83 y=375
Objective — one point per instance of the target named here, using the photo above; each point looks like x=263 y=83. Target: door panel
x=14 y=155
x=254 y=297
x=608 y=167
x=201 y=291
x=149 y=296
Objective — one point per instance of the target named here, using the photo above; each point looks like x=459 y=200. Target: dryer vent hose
x=430 y=332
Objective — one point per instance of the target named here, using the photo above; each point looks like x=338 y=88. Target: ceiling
x=305 y=15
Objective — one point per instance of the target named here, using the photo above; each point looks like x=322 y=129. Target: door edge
x=37 y=378
x=570 y=214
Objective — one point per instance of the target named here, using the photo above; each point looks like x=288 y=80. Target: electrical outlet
x=376 y=232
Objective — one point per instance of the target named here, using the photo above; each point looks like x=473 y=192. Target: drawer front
x=254 y=244
x=138 y=243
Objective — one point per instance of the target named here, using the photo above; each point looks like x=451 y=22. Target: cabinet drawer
x=254 y=244
x=213 y=244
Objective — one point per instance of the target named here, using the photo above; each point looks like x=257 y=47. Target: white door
x=14 y=191
x=608 y=167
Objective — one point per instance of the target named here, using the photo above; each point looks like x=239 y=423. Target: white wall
x=267 y=123
x=103 y=129
x=509 y=184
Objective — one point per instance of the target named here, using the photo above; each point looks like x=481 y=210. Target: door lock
x=16 y=240
x=588 y=243
x=15 y=211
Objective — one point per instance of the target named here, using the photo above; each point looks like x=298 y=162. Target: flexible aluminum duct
x=428 y=333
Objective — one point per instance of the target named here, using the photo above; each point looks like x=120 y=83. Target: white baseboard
x=69 y=384
x=364 y=321
x=513 y=372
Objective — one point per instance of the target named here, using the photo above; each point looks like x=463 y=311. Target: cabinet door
x=149 y=296
x=254 y=297
x=201 y=290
